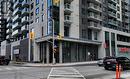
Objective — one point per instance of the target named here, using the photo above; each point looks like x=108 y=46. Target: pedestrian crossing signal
x=54 y=50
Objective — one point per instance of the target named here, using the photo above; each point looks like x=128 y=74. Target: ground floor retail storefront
x=66 y=52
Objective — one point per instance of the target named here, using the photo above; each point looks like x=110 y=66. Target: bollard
x=120 y=71
x=117 y=71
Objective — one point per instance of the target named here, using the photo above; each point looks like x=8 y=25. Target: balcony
x=112 y=14
x=96 y=1
x=111 y=22
x=25 y=11
x=25 y=4
x=68 y=1
x=94 y=17
x=9 y=25
x=95 y=26
x=17 y=11
x=16 y=18
x=25 y=20
x=113 y=1
x=7 y=37
x=67 y=19
x=94 y=8
x=17 y=4
x=111 y=6
x=15 y=33
x=24 y=29
x=16 y=25
x=9 y=31
x=9 y=19
x=67 y=8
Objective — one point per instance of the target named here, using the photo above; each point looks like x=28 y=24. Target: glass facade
x=53 y=13
x=107 y=49
x=113 y=44
x=77 y=52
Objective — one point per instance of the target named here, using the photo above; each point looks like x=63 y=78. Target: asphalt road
x=96 y=72
x=89 y=72
x=12 y=72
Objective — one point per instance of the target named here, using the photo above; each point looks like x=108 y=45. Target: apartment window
x=37 y=20
x=37 y=11
x=118 y=15
x=42 y=7
x=42 y=30
x=83 y=11
x=37 y=2
x=83 y=33
x=84 y=20
x=42 y=18
x=95 y=35
x=118 y=1
x=66 y=31
x=118 y=8
x=89 y=34
x=84 y=2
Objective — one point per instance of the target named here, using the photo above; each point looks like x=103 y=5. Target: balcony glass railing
x=113 y=14
x=91 y=5
x=94 y=24
x=16 y=10
x=17 y=3
x=94 y=15
x=25 y=2
x=16 y=17
x=67 y=6
x=25 y=19
x=15 y=32
x=112 y=6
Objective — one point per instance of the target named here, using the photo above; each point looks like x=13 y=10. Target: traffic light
x=31 y=35
x=56 y=1
x=59 y=37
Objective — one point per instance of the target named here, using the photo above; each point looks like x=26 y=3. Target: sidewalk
x=57 y=64
x=123 y=76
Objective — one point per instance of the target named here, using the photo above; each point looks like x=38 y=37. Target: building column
x=61 y=28
x=110 y=43
x=43 y=51
x=11 y=52
x=47 y=53
x=60 y=52
x=29 y=49
x=116 y=52
x=92 y=35
x=36 y=52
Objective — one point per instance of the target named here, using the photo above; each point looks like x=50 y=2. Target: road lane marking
x=50 y=73
x=65 y=73
x=79 y=73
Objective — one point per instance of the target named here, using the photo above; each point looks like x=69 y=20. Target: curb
x=93 y=63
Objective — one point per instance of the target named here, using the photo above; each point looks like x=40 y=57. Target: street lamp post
x=53 y=40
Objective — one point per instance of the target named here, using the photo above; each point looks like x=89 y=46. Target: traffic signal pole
x=54 y=61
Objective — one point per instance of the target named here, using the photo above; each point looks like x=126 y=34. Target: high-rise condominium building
x=84 y=30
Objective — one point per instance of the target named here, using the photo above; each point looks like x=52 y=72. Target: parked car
x=4 y=60
x=111 y=63
x=102 y=60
